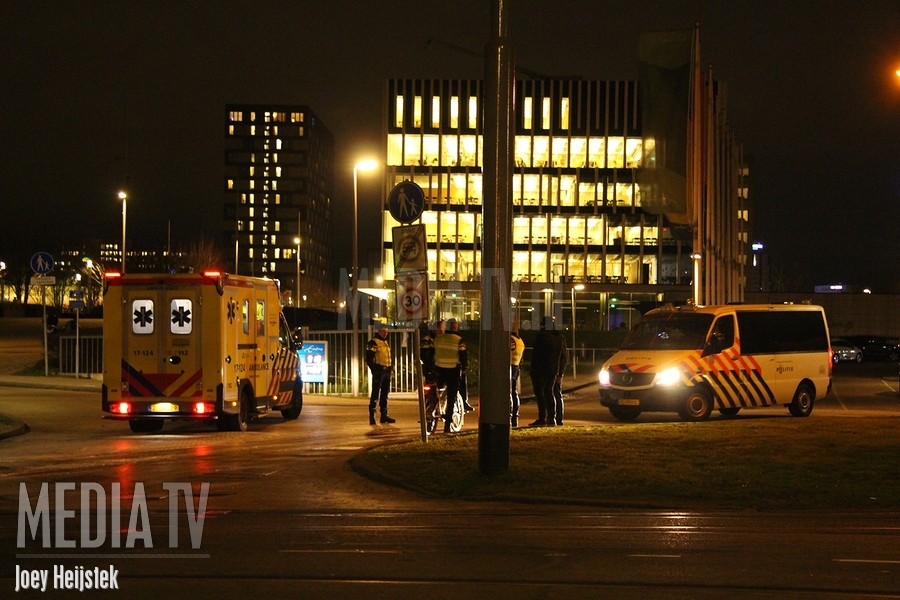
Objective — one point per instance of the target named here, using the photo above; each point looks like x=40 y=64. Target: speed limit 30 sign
x=412 y=296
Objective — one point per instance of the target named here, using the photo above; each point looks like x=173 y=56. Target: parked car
x=876 y=347
x=844 y=351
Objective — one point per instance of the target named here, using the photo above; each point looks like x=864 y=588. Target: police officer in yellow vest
x=450 y=357
x=380 y=363
x=516 y=350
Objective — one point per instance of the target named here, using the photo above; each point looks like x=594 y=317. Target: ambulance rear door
x=162 y=337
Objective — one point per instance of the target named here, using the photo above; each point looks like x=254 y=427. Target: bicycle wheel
x=432 y=405
x=459 y=415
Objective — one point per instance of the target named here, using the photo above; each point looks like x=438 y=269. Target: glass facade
x=576 y=197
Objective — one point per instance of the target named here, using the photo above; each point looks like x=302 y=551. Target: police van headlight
x=604 y=378
x=668 y=377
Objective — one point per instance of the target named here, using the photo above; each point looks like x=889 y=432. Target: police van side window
x=782 y=331
x=722 y=334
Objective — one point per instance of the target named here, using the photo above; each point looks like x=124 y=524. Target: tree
x=203 y=254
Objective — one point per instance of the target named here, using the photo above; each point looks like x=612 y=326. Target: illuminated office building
x=580 y=220
x=279 y=178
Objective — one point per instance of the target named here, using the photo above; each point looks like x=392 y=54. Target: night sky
x=98 y=96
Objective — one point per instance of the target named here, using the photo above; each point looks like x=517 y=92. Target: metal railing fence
x=81 y=355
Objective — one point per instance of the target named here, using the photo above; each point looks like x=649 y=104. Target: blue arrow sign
x=41 y=263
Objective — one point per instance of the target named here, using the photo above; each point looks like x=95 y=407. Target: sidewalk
x=52 y=382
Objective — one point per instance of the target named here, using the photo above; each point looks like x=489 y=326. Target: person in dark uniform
x=450 y=358
x=548 y=362
x=380 y=363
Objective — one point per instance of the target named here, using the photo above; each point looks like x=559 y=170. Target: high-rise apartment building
x=582 y=224
x=279 y=178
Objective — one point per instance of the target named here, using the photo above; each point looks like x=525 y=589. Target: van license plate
x=163 y=407
x=629 y=402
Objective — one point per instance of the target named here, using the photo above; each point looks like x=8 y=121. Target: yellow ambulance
x=208 y=346
x=692 y=360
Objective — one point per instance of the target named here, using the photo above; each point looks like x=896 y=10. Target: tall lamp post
x=363 y=165
x=575 y=288
x=297 y=281
x=124 y=198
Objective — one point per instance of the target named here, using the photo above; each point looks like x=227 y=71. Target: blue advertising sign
x=314 y=362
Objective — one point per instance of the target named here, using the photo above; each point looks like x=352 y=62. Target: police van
x=208 y=346
x=692 y=360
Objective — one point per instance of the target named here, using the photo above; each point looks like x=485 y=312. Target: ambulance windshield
x=669 y=331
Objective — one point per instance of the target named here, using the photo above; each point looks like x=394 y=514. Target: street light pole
x=578 y=287
x=124 y=198
x=363 y=165
x=297 y=281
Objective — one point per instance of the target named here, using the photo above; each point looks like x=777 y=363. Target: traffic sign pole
x=42 y=265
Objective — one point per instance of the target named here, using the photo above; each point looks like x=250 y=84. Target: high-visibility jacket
x=449 y=351
x=378 y=352
x=516 y=350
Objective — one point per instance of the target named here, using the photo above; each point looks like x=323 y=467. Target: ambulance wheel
x=624 y=413
x=145 y=425
x=296 y=406
x=240 y=421
x=698 y=406
x=804 y=398
x=730 y=411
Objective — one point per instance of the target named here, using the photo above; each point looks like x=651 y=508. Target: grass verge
x=753 y=463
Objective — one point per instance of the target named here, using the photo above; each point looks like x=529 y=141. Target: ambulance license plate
x=163 y=407
x=629 y=402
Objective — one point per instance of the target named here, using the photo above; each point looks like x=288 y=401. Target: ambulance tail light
x=203 y=408
x=121 y=408
x=219 y=279
x=108 y=277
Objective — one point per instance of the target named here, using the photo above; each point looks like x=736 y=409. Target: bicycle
x=436 y=408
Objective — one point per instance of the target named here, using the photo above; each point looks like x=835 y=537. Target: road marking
x=654 y=555
x=335 y=551
x=838 y=398
x=887 y=385
x=867 y=560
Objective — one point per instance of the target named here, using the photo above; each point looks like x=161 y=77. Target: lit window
x=435 y=112
x=527 y=107
x=417 y=111
x=564 y=113
x=473 y=112
x=398 y=109
x=545 y=113
x=236 y=115
x=454 y=112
